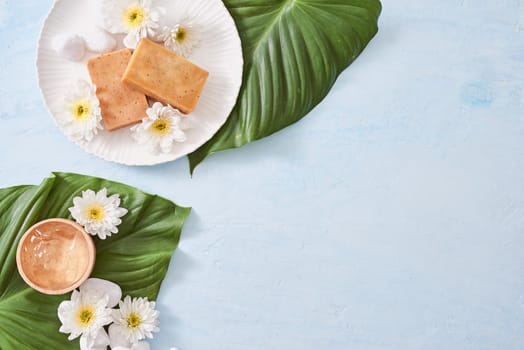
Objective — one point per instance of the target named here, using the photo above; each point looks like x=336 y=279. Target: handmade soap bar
x=121 y=104
x=165 y=76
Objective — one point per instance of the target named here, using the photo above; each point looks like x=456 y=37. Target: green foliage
x=136 y=258
x=294 y=51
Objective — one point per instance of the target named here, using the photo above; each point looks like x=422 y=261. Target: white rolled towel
x=98 y=40
x=69 y=46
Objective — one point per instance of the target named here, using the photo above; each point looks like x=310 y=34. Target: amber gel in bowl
x=55 y=256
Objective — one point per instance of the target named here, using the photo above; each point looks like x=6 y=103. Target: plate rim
x=152 y=162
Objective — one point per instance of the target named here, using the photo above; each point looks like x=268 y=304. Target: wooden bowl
x=55 y=256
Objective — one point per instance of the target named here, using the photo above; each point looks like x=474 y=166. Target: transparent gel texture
x=55 y=256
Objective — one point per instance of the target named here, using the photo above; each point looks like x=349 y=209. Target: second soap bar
x=165 y=76
x=121 y=105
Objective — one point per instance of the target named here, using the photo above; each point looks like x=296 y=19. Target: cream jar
x=55 y=256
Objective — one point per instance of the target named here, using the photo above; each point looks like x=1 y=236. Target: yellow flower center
x=134 y=16
x=95 y=212
x=85 y=315
x=160 y=127
x=81 y=110
x=181 y=35
x=133 y=320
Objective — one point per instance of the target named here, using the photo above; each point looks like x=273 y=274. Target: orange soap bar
x=121 y=104
x=165 y=76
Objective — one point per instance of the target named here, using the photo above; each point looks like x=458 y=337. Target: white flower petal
x=115 y=199
x=155 y=110
x=101 y=195
x=131 y=40
x=63 y=309
x=179 y=136
x=121 y=211
x=88 y=194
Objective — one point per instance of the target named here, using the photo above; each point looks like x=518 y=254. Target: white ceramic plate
x=219 y=52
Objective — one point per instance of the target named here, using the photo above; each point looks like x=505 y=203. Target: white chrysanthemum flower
x=163 y=126
x=135 y=320
x=135 y=17
x=100 y=215
x=88 y=311
x=182 y=38
x=84 y=315
x=81 y=117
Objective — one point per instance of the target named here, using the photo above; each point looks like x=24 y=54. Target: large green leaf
x=293 y=51
x=136 y=258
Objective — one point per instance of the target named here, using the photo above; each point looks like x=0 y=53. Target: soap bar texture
x=121 y=104
x=165 y=76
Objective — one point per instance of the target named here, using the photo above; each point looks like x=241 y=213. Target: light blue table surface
x=392 y=217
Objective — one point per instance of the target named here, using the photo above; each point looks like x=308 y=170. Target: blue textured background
x=392 y=217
